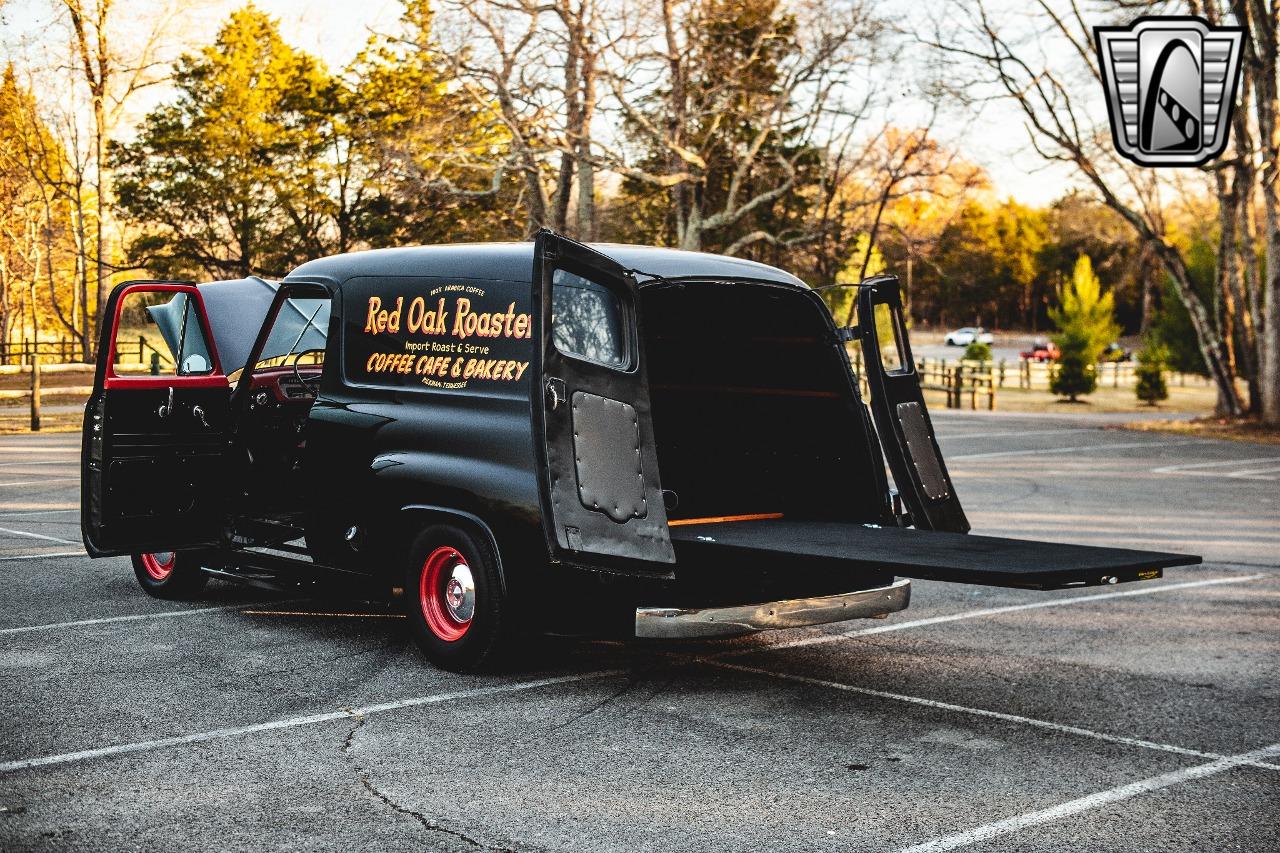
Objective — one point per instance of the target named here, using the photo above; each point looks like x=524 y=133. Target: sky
x=336 y=31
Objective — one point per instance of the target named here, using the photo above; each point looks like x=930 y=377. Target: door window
x=161 y=333
x=588 y=320
x=889 y=334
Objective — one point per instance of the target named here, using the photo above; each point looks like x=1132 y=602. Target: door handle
x=197 y=412
x=556 y=393
x=166 y=409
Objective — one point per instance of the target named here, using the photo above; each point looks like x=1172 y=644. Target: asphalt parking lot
x=1140 y=717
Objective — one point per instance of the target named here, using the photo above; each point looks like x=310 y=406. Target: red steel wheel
x=447 y=594
x=169 y=574
x=159 y=565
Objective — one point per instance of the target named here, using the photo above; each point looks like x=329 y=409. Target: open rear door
x=599 y=475
x=897 y=404
x=153 y=463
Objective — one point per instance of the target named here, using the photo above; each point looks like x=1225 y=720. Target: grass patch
x=1194 y=399
x=15 y=420
x=1229 y=429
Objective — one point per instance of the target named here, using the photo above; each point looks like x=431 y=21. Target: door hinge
x=573 y=536
x=846 y=334
x=556 y=392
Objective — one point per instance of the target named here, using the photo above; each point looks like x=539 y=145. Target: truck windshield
x=300 y=330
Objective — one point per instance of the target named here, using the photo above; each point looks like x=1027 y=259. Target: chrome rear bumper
x=675 y=622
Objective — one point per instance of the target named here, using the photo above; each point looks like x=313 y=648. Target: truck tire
x=456 y=607
x=169 y=574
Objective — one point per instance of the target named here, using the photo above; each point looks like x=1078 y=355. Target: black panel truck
x=538 y=436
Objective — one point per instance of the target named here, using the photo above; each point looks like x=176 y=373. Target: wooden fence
x=976 y=384
x=61 y=351
x=69 y=351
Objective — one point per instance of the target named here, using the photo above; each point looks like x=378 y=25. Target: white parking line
x=982 y=712
x=992 y=611
x=36 y=512
x=942 y=434
x=42 y=462
x=1198 y=469
x=1257 y=473
x=106 y=620
x=13 y=532
x=1183 y=469
x=41 y=556
x=296 y=722
x=1092 y=801
x=1049 y=450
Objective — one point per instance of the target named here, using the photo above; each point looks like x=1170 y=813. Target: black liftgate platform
x=923 y=554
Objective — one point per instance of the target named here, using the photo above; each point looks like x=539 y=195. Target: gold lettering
x=393 y=319
x=417 y=308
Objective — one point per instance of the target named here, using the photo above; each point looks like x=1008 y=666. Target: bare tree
x=1261 y=20
x=111 y=72
x=1061 y=131
x=732 y=126
x=538 y=65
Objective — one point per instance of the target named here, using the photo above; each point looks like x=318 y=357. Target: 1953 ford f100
x=539 y=435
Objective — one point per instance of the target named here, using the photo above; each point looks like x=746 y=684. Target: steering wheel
x=297 y=373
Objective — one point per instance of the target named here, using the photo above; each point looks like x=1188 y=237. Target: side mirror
x=195 y=364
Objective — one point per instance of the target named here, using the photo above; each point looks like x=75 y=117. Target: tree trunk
x=1226 y=276
x=573 y=119
x=1148 y=300
x=1269 y=339
x=586 y=168
x=1210 y=343
x=1261 y=20
x=681 y=208
x=35 y=361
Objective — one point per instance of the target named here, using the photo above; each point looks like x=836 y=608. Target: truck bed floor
x=924 y=554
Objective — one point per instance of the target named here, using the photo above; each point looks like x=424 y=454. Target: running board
x=257 y=567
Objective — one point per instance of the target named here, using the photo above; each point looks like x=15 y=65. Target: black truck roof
x=514 y=262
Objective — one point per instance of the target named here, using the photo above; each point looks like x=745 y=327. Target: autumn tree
x=434 y=160
x=235 y=176
x=1086 y=311
x=39 y=250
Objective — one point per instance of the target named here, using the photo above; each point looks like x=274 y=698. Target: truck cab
x=539 y=436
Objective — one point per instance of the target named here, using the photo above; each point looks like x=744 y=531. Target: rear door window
x=588 y=320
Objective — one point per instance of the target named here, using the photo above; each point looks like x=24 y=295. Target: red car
x=1042 y=349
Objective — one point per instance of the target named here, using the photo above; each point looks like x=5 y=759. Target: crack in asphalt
x=381 y=796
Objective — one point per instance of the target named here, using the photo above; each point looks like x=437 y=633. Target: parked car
x=1115 y=352
x=968 y=335
x=538 y=436
x=1043 y=350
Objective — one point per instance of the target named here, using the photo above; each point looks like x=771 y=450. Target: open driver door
x=897 y=406
x=154 y=442
x=601 y=494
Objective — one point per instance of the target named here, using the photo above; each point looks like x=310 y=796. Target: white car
x=967 y=335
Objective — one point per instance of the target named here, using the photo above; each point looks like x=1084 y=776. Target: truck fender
x=417 y=516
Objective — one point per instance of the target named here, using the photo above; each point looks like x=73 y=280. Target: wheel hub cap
x=460 y=593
